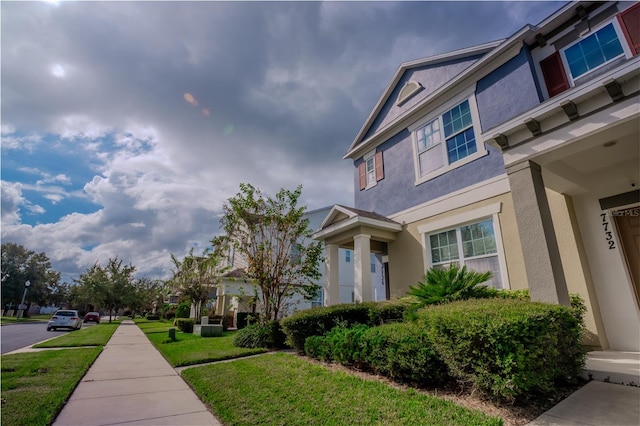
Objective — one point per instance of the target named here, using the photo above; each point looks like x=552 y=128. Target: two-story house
x=518 y=156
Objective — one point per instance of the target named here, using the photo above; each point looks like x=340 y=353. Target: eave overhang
x=341 y=220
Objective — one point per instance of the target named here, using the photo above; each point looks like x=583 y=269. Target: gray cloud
x=286 y=86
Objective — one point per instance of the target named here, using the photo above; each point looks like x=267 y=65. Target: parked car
x=64 y=319
x=92 y=316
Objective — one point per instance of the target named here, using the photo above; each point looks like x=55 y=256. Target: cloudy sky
x=126 y=125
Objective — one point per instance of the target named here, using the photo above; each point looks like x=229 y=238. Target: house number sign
x=608 y=232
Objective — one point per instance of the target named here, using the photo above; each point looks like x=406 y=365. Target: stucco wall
x=406 y=252
x=507 y=92
x=574 y=262
x=397 y=191
x=432 y=77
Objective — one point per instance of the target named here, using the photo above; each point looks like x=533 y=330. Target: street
x=17 y=336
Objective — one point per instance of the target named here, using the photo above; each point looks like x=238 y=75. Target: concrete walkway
x=131 y=383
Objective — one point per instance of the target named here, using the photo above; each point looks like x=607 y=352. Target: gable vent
x=409 y=89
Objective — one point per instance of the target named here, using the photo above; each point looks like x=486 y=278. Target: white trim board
x=470 y=195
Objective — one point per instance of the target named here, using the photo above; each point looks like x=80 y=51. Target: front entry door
x=628 y=224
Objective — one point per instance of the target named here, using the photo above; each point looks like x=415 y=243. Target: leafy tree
x=143 y=294
x=110 y=286
x=272 y=235
x=195 y=276
x=20 y=265
x=451 y=283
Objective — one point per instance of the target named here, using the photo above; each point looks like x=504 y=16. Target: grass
x=36 y=385
x=283 y=389
x=96 y=335
x=190 y=349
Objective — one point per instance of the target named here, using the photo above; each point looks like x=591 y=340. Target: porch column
x=537 y=236
x=362 y=268
x=331 y=275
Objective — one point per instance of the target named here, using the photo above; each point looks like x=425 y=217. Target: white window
x=472 y=245
x=594 y=50
x=472 y=238
x=371 y=171
x=347 y=256
x=447 y=139
x=373 y=263
x=318 y=300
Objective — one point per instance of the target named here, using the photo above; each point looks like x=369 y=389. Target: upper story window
x=371 y=170
x=446 y=141
x=594 y=50
x=617 y=38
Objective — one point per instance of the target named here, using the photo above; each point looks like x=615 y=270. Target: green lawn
x=35 y=385
x=94 y=335
x=283 y=389
x=189 y=349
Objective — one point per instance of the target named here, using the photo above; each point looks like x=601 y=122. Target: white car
x=65 y=319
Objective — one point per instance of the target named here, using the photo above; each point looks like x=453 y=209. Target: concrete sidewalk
x=131 y=383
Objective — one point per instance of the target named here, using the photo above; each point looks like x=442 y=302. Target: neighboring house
x=520 y=157
x=235 y=290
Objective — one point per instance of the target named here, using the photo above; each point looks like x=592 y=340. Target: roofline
x=431 y=60
x=525 y=34
x=354 y=222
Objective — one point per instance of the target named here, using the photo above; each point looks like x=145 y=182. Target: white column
x=331 y=275
x=362 y=268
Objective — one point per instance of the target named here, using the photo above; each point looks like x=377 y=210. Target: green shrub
x=318 y=321
x=507 y=348
x=185 y=324
x=153 y=317
x=454 y=282
x=404 y=353
x=183 y=310
x=252 y=336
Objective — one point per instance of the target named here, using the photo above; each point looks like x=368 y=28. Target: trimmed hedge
x=319 y=321
x=185 y=324
x=401 y=351
x=506 y=347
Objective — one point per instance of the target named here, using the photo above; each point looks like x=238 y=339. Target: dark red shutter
x=362 y=174
x=630 y=23
x=554 y=75
x=379 y=166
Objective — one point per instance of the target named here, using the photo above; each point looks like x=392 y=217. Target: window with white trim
x=370 y=170
x=473 y=245
x=318 y=300
x=591 y=52
x=347 y=256
x=447 y=140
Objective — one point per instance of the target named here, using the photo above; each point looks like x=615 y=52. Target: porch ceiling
x=605 y=158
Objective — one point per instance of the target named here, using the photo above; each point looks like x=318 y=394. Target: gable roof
x=494 y=54
x=342 y=218
x=404 y=67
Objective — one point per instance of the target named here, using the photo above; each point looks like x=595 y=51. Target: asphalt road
x=17 y=336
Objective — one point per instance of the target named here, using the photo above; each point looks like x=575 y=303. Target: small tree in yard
x=272 y=235
x=195 y=276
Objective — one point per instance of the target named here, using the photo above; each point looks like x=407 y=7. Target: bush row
x=506 y=348
x=318 y=321
x=268 y=335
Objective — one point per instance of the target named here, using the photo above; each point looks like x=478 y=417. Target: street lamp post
x=24 y=295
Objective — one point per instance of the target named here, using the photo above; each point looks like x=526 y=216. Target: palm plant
x=441 y=285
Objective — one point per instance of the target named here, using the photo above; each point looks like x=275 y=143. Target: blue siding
x=397 y=191
x=432 y=77
x=507 y=92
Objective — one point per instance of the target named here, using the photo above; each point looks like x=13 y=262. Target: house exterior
x=518 y=156
x=235 y=291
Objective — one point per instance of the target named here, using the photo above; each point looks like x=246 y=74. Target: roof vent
x=409 y=89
